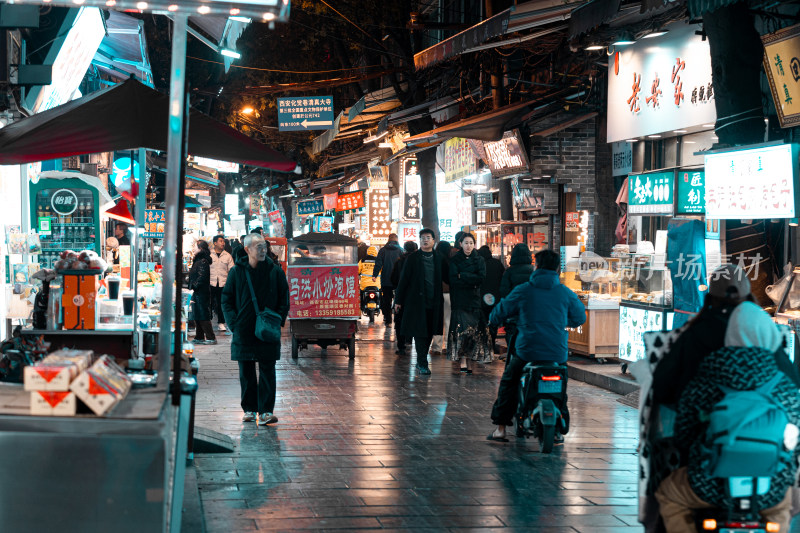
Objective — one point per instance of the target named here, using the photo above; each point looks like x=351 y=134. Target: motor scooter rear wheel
x=548 y=435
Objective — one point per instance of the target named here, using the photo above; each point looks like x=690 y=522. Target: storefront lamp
x=120 y=212
x=794 y=222
x=656 y=33
x=625 y=38
x=227 y=52
x=593 y=47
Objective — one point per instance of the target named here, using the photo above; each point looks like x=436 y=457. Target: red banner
x=323 y=291
x=350 y=201
x=330 y=200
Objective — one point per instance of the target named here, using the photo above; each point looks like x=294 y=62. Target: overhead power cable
x=288 y=71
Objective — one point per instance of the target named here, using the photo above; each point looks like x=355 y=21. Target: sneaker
x=248 y=416
x=228 y=332
x=210 y=341
x=266 y=418
x=423 y=370
x=221 y=327
x=198 y=341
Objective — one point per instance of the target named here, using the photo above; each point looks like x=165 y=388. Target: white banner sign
x=752 y=184
x=660 y=85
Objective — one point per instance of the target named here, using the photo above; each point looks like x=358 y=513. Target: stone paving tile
x=368 y=445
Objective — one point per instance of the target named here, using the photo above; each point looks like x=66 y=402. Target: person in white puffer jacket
x=221 y=264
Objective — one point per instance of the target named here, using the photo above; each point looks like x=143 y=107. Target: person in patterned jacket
x=753 y=354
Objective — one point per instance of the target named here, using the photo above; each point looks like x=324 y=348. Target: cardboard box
x=53 y=403
x=56 y=371
x=102 y=386
x=77 y=301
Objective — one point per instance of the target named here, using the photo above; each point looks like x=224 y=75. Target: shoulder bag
x=268 y=322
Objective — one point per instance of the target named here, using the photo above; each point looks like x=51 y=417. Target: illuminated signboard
x=651 y=194
x=350 y=201
x=219 y=166
x=691 y=194
x=412 y=188
x=70 y=56
x=231 y=204
x=459 y=159
x=755 y=183
x=504 y=157
x=379 y=221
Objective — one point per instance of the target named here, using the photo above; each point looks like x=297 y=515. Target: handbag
x=268 y=322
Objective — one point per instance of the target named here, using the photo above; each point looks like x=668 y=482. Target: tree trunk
x=426 y=165
x=736 y=54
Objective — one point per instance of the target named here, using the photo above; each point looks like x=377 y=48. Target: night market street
x=369 y=444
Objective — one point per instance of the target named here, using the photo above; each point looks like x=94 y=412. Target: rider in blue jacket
x=543 y=308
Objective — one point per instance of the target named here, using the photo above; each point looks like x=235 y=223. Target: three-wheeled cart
x=323 y=291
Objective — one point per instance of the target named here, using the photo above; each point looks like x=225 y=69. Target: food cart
x=323 y=291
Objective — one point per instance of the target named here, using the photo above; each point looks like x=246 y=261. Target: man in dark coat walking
x=490 y=288
x=419 y=296
x=271 y=290
x=384 y=264
x=409 y=248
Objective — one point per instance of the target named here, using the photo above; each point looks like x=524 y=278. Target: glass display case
x=645 y=284
x=501 y=237
x=788 y=310
x=597 y=283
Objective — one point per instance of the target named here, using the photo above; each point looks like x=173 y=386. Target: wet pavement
x=367 y=444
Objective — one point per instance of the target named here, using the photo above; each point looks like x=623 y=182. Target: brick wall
x=577 y=158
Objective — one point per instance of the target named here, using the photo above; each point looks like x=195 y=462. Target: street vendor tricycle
x=323 y=291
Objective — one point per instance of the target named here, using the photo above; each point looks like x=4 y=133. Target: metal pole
x=177 y=102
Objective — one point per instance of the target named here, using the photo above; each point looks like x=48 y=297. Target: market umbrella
x=125 y=117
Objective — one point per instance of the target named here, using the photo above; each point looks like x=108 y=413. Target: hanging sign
x=751 y=184
x=323 y=291
x=276 y=219
x=350 y=201
x=310 y=207
x=379 y=221
x=305 y=113
x=329 y=200
x=154 y=221
x=691 y=196
x=410 y=232
x=255 y=204
x=782 y=65
x=504 y=157
x=412 y=189
x=660 y=84
x=459 y=159
x=651 y=194
x=323 y=224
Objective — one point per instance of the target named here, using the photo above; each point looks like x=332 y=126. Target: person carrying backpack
x=739 y=417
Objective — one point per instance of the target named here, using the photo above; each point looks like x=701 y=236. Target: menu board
x=350 y=201
x=379 y=222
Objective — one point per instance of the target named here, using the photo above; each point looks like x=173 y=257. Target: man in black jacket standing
x=409 y=248
x=271 y=290
x=419 y=296
x=384 y=264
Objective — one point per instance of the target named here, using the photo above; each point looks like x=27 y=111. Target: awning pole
x=171 y=258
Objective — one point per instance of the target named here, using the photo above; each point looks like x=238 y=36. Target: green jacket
x=272 y=290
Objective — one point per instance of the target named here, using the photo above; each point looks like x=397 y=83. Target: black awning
x=125 y=117
x=591 y=15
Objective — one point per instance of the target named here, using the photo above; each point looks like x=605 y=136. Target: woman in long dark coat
x=200 y=283
x=468 y=339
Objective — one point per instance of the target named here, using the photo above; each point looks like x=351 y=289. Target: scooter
x=542 y=397
x=371 y=302
x=742 y=518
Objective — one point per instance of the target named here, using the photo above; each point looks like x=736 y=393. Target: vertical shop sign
x=782 y=65
x=459 y=159
x=621 y=158
x=651 y=194
x=412 y=188
x=154 y=221
x=660 y=84
x=379 y=222
x=255 y=204
x=691 y=195
x=448 y=215
x=323 y=291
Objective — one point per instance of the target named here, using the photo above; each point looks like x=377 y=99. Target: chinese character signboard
x=659 y=85
x=412 y=188
x=782 y=65
x=651 y=194
x=255 y=204
x=323 y=291
x=409 y=232
x=691 y=194
x=310 y=207
x=379 y=221
x=305 y=113
x=752 y=184
x=459 y=159
x=154 y=223
x=572 y=222
x=504 y=157
x=350 y=201
x=621 y=159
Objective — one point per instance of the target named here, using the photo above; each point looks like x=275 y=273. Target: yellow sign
x=459 y=159
x=782 y=65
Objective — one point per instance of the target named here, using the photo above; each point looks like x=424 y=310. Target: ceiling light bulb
x=657 y=33
x=203 y=10
x=230 y=53
x=594 y=47
x=234 y=11
x=708 y=125
x=269 y=16
x=654 y=136
x=172 y=8
x=141 y=6
x=111 y=3
x=248 y=111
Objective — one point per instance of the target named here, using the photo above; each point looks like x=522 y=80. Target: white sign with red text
x=660 y=85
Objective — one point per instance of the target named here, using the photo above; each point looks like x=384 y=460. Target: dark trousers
x=216 y=304
x=423 y=344
x=487 y=310
x=204 y=331
x=258 y=392
x=387 y=295
x=505 y=406
x=401 y=340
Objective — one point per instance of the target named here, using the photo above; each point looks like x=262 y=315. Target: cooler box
x=78 y=299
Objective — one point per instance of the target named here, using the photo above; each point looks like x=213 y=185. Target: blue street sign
x=305 y=113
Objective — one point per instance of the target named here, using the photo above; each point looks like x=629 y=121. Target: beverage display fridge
x=66 y=214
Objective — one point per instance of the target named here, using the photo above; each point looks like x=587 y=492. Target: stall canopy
x=124 y=117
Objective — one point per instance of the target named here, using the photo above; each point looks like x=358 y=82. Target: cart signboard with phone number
x=323 y=291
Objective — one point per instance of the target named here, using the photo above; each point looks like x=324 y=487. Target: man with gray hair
x=255 y=283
